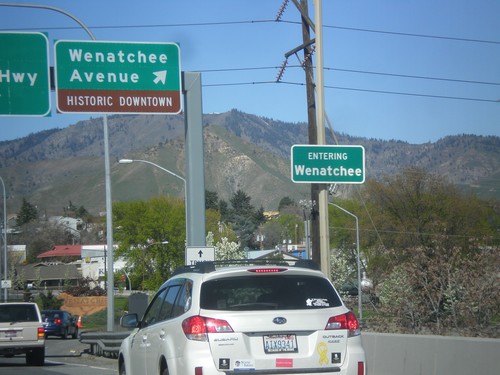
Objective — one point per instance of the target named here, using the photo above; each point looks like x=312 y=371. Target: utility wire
x=227 y=23
x=354 y=89
x=223 y=70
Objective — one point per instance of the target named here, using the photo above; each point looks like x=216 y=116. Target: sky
x=413 y=70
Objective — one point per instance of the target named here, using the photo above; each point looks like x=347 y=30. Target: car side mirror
x=129 y=320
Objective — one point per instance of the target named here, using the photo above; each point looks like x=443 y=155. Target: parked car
x=21 y=332
x=208 y=320
x=59 y=323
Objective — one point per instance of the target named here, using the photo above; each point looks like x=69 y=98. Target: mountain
x=242 y=151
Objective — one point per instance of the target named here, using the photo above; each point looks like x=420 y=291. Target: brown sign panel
x=118 y=101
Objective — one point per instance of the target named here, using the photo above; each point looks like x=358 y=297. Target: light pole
x=130 y=161
x=4 y=237
x=360 y=304
x=309 y=207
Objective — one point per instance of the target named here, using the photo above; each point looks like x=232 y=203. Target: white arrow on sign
x=160 y=76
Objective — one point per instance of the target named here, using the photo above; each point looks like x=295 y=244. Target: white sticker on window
x=317 y=302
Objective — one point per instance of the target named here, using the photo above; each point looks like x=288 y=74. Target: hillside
x=242 y=151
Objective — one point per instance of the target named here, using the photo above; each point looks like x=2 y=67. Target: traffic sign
x=5 y=284
x=24 y=74
x=195 y=254
x=117 y=77
x=328 y=164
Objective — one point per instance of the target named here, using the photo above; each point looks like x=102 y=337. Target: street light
x=360 y=304
x=130 y=161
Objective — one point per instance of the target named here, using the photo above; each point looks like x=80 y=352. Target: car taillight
x=345 y=321
x=57 y=321
x=267 y=270
x=41 y=333
x=361 y=368
x=197 y=327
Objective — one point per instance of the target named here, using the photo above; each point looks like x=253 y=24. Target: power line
x=414 y=76
x=415 y=35
x=414 y=94
x=222 y=70
x=354 y=89
x=227 y=23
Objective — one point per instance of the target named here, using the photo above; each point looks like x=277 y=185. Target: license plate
x=280 y=344
x=10 y=333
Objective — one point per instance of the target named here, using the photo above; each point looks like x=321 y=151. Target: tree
x=211 y=200
x=27 y=213
x=438 y=248
x=285 y=202
x=219 y=229
x=49 y=301
x=41 y=236
x=225 y=249
x=240 y=202
x=243 y=218
x=144 y=227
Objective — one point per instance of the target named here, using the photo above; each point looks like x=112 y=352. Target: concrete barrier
x=393 y=354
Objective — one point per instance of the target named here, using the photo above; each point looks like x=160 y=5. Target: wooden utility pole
x=318 y=205
x=311 y=124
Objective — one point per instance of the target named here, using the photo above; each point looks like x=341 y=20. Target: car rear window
x=266 y=292
x=18 y=313
x=52 y=314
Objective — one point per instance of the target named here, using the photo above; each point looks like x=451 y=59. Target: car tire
x=164 y=368
x=65 y=333
x=75 y=334
x=36 y=357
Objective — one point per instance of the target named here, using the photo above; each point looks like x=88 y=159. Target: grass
x=98 y=321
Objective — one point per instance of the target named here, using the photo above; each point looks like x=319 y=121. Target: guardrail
x=104 y=344
x=396 y=354
x=388 y=354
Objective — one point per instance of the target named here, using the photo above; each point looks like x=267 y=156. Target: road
x=66 y=357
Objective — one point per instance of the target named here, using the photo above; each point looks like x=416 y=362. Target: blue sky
x=413 y=70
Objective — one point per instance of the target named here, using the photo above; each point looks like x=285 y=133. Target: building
x=47 y=276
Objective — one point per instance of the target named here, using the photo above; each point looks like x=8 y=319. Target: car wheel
x=164 y=368
x=65 y=333
x=36 y=357
x=75 y=334
x=122 y=370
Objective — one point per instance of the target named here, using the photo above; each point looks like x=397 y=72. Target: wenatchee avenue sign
x=117 y=77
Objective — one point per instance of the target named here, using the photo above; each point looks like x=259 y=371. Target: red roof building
x=62 y=251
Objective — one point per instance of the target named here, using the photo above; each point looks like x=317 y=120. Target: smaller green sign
x=24 y=74
x=328 y=164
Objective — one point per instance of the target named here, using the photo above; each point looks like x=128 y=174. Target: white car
x=266 y=319
x=22 y=332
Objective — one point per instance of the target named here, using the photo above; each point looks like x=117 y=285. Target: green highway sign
x=24 y=74
x=328 y=164
x=117 y=77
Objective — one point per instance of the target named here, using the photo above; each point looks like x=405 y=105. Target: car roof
x=207 y=270
x=213 y=266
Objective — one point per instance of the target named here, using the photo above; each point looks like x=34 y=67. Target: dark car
x=59 y=323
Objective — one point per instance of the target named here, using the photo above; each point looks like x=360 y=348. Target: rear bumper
x=20 y=349
x=54 y=330
x=188 y=364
